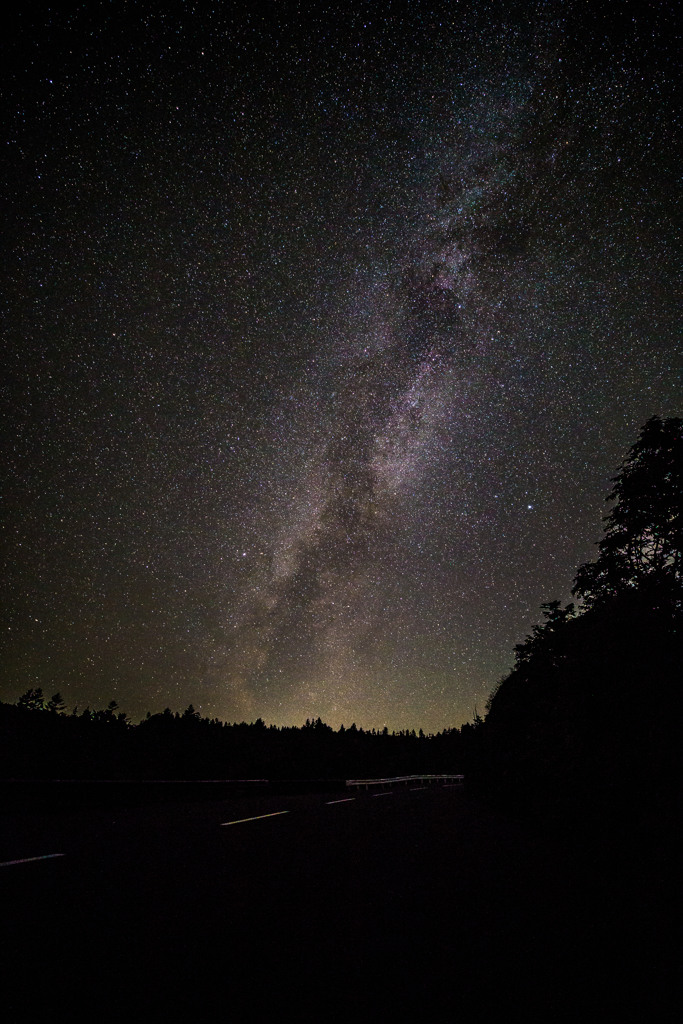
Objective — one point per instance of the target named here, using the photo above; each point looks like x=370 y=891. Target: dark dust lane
x=426 y=898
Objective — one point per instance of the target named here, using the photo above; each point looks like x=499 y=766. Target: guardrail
x=48 y=796
x=454 y=780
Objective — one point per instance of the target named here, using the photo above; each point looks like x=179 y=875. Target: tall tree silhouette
x=643 y=543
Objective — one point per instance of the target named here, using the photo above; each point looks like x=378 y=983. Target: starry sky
x=324 y=332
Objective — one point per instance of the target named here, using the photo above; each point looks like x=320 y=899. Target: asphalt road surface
x=418 y=903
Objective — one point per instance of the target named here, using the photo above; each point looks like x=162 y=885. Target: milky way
x=325 y=340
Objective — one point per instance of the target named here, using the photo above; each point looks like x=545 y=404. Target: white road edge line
x=27 y=860
x=344 y=800
x=239 y=821
x=390 y=793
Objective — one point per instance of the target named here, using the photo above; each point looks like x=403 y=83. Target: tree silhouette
x=542 y=641
x=56 y=704
x=643 y=543
x=594 y=697
x=32 y=700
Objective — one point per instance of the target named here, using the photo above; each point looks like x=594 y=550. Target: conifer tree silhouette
x=643 y=542
x=32 y=700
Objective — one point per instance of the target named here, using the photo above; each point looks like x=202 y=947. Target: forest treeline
x=40 y=740
x=587 y=722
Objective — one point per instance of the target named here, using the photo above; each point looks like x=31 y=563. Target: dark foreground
x=420 y=903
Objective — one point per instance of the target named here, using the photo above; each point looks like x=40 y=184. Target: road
x=420 y=900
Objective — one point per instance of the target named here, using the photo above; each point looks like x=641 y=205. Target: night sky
x=323 y=337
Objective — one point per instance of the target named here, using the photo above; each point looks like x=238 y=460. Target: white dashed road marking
x=257 y=818
x=28 y=860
